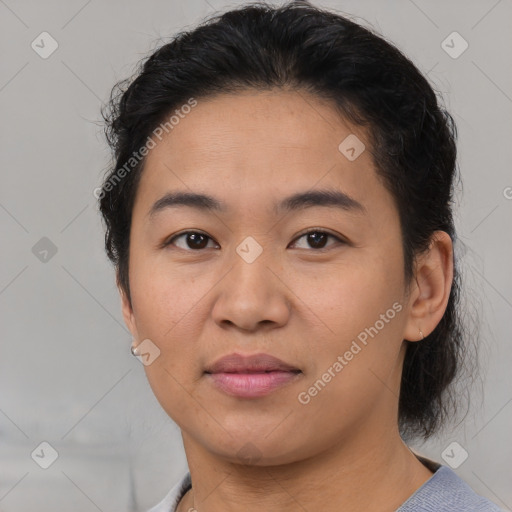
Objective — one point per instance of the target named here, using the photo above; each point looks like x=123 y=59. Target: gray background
x=66 y=373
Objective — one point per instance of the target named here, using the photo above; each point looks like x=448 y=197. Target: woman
x=280 y=220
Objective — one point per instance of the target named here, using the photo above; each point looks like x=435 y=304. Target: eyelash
x=321 y=231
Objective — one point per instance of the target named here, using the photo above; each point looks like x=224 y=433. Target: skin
x=342 y=450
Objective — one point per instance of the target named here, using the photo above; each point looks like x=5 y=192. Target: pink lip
x=250 y=376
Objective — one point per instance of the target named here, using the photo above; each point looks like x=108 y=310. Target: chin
x=258 y=449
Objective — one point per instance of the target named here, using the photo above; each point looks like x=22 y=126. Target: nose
x=252 y=296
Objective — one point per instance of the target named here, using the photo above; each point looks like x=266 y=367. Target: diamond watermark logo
x=454 y=455
x=454 y=45
x=249 y=454
x=351 y=147
x=44 y=250
x=249 y=250
x=146 y=352
x=44 y=45
x=44 y=455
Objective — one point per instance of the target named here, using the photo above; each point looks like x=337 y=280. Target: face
x=246 y=277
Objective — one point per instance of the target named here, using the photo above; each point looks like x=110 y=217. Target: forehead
x=251 y=120
x=256 y=145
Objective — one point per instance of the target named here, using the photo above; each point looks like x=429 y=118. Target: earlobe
x=431 y=288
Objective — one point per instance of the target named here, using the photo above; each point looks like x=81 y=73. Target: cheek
x=352 y=294
x=166 y=298
x=169 y=313
x=353 y=311
x=172 y=308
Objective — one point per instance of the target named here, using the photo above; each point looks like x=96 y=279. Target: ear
x=129 y=317
x=430 y=289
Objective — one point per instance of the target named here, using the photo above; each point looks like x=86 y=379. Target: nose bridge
x=251 y=294
x=251 y=264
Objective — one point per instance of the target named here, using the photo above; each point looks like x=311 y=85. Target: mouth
x=251 y=376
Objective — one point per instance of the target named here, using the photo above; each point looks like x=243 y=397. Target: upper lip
x=237 y=363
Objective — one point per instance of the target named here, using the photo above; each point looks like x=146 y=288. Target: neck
x=374 y=471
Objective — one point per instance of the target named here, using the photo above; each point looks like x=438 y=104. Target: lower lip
x=252 y=385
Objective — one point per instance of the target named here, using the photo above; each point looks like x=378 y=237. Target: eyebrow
x=295 y=202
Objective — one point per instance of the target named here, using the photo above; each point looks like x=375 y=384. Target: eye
x=194 y=240
x=318 y=238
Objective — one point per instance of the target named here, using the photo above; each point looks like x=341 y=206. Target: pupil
x=194 y=237
x=313 y=239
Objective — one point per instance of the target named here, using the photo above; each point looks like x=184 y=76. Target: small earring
x=134 y=351
x=421 y=334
